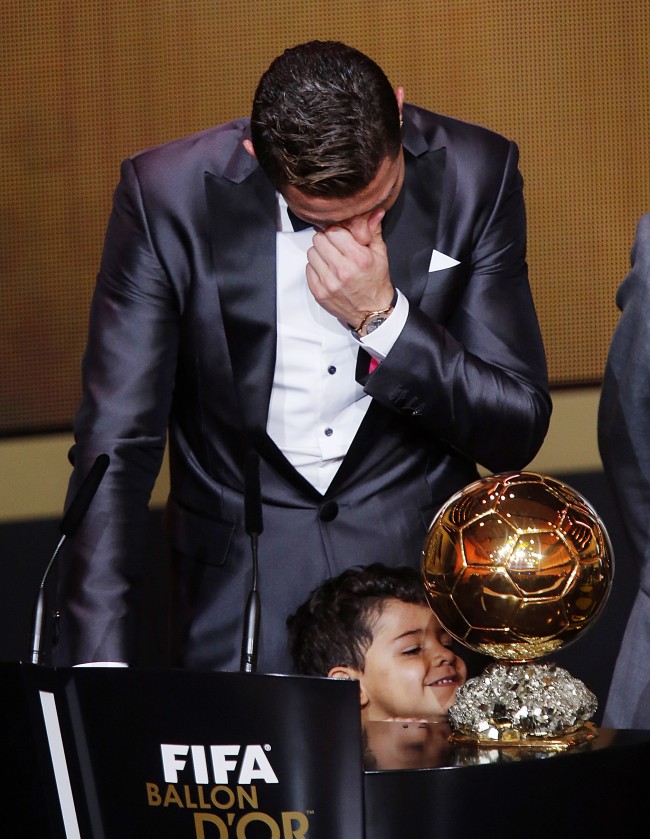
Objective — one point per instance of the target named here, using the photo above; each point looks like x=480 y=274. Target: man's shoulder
x=643 y=230
x=212 y=149
x=437 y=130
x=640 y=259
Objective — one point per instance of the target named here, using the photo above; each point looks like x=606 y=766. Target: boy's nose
x=440 y=654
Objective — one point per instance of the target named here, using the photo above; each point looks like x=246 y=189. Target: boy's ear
x=341 y=672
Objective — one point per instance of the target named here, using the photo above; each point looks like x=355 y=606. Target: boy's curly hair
x=334 y=626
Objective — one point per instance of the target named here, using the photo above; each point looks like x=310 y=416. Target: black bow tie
x=297 y=223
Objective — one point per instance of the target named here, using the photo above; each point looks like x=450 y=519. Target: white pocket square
x=441 y=260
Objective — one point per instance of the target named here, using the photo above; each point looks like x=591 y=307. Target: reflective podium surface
x=420 y=785
x=88 y=755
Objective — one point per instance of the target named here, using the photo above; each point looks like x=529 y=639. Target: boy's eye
x=413 y=650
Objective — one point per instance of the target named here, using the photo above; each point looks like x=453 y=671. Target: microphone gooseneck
x=254 y=526
x=68 y=527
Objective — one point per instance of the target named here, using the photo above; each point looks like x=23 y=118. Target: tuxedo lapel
x=411 y=226
x=243 y=232
x=411 y=233
x=372 y=429
x=410 y=230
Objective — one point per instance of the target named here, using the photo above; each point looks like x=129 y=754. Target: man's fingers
x=375 y=220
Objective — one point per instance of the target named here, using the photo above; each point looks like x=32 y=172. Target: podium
x=114 y=753
x=418 y=785
x=104 y=753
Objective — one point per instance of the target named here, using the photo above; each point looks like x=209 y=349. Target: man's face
x=381 y=193
x=410 y=670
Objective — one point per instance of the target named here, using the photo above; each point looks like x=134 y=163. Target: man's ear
x=399 y=95
x=248 y=145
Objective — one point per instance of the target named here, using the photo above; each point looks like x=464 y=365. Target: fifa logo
x=216 y=785
x=218 y=764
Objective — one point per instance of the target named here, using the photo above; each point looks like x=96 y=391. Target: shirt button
x=331 y=369
x=329 y=432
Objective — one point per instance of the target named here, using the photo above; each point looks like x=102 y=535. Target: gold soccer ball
x=517 y=565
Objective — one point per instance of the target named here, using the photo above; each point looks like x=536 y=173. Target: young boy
x=372 y=623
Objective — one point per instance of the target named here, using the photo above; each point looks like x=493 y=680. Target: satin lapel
x=411 y=226
x=411 y=233
x=372 y=428
x=243 y=227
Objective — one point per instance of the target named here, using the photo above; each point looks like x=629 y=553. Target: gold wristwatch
x=373 y=320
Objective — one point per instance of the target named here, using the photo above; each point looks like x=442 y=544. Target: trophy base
x=523 y=705
x=510 y=738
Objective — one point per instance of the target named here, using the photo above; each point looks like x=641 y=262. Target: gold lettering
x=229 y=800
x=203 y=804
x=257 y=817
x=201 y=819
x=172 y=797
x=188 y=799
x=298 y=831
x=250 y=797
x=153 y=795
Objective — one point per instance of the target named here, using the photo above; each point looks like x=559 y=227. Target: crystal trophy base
x=523 y=704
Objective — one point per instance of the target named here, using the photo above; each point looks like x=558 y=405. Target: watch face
x=375 y=323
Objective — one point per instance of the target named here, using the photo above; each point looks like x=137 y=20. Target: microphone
x=253 y=526
x=252 y=495
x=79 y=507
x=68 y=527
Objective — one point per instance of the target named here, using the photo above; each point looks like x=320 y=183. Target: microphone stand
x=39 y=607
x=68 y=527
x=254 y=526
x=251 y=619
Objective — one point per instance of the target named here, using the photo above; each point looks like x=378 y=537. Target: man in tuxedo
x=371 y=359
x=624 y=442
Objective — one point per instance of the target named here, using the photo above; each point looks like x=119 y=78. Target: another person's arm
x=624 y=410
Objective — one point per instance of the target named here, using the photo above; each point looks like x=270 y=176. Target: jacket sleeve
x=624 y=408
x=128 y=375
x=476 y=378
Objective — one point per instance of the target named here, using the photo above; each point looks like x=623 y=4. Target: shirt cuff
x=380 y=341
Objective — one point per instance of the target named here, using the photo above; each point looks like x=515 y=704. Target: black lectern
x=418 y=785
x=111 y=753
x=117 y=753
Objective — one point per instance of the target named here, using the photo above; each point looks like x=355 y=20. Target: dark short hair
x=334 y=626
x=324 y=118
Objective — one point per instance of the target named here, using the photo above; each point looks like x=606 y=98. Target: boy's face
x=410 y=670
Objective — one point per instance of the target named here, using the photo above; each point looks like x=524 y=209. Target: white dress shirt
x=316 y=404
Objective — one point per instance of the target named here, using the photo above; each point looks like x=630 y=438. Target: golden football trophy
x=515 y=566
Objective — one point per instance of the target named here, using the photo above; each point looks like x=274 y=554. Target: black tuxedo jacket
x=183 y=337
